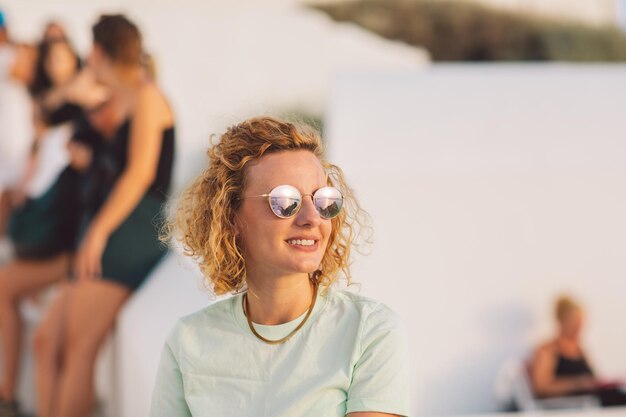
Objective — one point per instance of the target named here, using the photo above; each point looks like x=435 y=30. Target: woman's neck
x=278 y=301
x=568 y=345
x=126 y=80
x=124 y=87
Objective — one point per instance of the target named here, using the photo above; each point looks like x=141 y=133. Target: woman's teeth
x=303 y=242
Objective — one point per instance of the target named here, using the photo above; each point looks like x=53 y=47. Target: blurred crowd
x=86 y=155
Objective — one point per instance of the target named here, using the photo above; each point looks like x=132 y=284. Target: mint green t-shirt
x=351 y=355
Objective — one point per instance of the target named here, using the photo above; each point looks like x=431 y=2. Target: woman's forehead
x=300 y=168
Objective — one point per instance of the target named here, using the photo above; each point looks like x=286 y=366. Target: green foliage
x=298 y=115
x=460 y=31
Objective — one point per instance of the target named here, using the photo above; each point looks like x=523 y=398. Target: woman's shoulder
x=151 y=98
x=548 y=348
x=367 y=309
x=215 y=310
x=349 y=296
x=379 y=328
x=211 y=316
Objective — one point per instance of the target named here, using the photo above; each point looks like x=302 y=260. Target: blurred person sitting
x=43 y=223
x=127 y=181
x=60 y=87
x=560 y=366
x=60 y=91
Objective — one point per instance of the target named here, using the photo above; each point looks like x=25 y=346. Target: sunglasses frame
x=269 y=201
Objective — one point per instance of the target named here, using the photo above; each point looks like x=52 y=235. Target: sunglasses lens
x=285 y=200
x=328 y=202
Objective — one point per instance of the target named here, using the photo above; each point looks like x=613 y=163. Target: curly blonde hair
x=204 y=220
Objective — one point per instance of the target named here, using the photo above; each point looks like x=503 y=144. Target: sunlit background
x=485 y=138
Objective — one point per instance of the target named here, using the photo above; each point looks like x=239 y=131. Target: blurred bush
x=460 y=31
x=302 y=116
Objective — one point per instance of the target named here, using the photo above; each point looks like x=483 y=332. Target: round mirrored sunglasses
x=285 y=201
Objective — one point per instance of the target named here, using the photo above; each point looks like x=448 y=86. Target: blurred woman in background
x=54 y=31
x=128 y=180
x=42 y=225
x=560 y=367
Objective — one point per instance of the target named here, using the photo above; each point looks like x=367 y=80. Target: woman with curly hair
x=273 y=223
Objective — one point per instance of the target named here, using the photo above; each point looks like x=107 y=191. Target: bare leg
x=17 y=280
x=5 y=211
x=92 y=308
x=48 y=346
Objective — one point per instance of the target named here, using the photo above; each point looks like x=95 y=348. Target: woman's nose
x=308 y=215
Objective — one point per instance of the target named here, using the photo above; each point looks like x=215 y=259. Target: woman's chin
x=307 y=268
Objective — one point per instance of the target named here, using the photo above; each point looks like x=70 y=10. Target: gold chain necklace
x=284 y=339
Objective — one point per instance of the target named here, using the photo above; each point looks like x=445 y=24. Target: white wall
x=492 y=189
x=621 y=13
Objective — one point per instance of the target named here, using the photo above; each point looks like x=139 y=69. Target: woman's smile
x=302 y=244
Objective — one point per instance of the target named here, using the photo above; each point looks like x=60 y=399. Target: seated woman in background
x=61 y=88
x=560 y=366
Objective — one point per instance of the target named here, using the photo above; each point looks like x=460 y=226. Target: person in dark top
x=560 y=367
x=57 y=63
x=62 y=87
x=127 y=181
x=41 y=224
